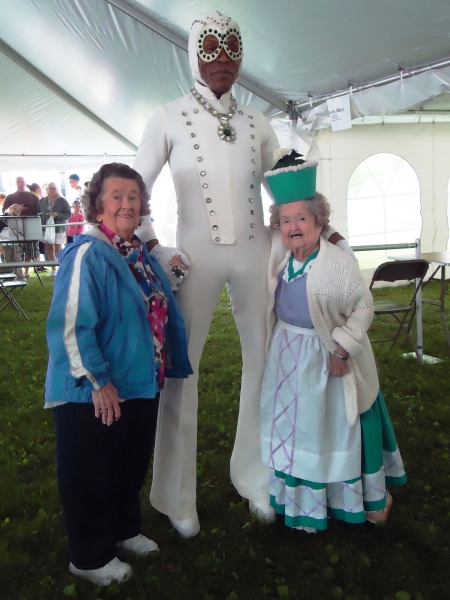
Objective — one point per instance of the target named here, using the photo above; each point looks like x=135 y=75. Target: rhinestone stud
x=196 y=146
x=250 y=199
x=188 y=123
x=250 y=237
x=252 y=225
x=212 y=212
x=208 y=200
x=215 y=227
x=202 y=173
x=217 y=239
x=205 y=186
x=192 y=134
x=184 y=113
x=200 y=159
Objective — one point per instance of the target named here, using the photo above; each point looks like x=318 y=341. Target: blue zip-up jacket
x=98 y=329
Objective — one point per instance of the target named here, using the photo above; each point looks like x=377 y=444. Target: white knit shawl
x=341 y=309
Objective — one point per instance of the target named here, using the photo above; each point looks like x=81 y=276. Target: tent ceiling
x=120 y=70
x=296 y=48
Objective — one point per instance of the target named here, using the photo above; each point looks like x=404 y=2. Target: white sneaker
x=139 y=544
x=187 y=528
x=307 y=529
x=263 y=512
x=114 y=570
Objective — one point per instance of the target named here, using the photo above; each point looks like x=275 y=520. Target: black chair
x=9 y=285
x=397 y=271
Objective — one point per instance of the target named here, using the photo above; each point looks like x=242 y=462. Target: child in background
x=13 y=211
x=77 y=217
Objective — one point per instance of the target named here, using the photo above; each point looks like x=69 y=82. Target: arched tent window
x=383 y=206
x=448 y=213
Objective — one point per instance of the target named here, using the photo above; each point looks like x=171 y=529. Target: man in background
x=29 y=203
x=74 y=182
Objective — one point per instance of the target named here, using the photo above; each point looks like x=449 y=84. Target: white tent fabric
x=37 y=127
x=102 y=68
x=79 y=80
x=423 y=145
x=398 y=96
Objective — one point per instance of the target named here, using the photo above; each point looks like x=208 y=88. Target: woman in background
x=54 y=205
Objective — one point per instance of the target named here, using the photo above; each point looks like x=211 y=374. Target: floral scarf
x=152 y=291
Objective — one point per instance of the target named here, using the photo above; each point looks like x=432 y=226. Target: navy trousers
x=101 y=471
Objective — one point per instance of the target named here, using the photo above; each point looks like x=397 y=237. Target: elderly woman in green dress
x=325 y=429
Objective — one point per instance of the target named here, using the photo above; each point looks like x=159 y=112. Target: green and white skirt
x=321 y=466
x=307 y=503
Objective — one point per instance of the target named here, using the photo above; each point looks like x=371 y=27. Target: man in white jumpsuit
x=217 y=152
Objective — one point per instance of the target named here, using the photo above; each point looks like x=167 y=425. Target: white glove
x=145 y=231
x=345 y=247
x=163 y=254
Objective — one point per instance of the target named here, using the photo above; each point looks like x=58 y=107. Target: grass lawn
x=234 y=557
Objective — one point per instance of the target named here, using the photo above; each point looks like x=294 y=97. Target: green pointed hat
x=292 y=178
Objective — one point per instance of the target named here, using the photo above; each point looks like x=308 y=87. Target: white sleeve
x=152 y=155
x=145 y=231
x=345 y=247
x=342 y=244
x=327 y=234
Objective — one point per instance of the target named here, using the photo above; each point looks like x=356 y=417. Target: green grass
x=234 y=557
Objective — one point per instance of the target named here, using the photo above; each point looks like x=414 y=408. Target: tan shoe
x=380 y=516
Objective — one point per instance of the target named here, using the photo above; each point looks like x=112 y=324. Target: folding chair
x=8 y=286
x=397 y=271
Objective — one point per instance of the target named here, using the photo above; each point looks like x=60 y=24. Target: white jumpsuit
x=221 y=230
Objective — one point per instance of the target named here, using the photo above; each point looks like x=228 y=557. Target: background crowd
x=60 y=221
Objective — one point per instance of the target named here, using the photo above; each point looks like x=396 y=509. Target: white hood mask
x=221 y=27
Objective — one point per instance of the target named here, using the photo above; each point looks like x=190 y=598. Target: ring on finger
x=103 y=412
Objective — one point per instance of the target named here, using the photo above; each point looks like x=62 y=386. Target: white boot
x=263 y=512
x=187 y=528
x=115 y=569
x=139 y=545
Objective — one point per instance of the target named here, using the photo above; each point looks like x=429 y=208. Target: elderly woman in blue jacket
x=114 y=332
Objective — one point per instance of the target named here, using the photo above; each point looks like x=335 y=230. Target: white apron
x=304 y=428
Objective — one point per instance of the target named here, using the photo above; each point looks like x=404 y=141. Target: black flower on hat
x=290 y=159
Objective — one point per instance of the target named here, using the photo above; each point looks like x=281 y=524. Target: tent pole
x=52 y=86
x=180 y=42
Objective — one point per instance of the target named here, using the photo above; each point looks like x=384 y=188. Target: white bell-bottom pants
x=243 y=268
